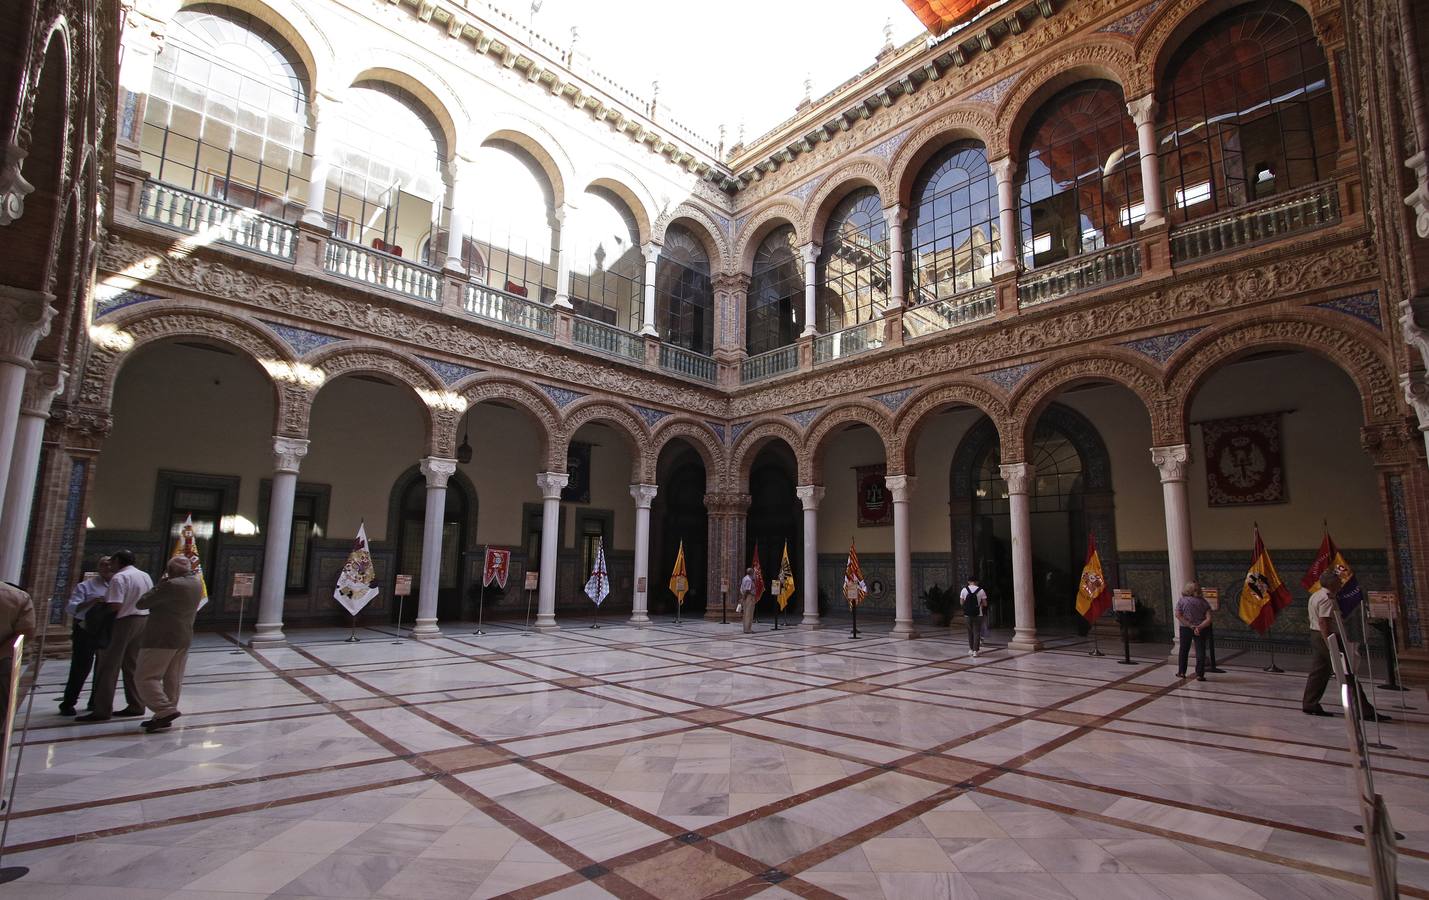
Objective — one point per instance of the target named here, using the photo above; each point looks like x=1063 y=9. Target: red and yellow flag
x=854 y=587
x=1329 y=557
x=758 y=575
x=186 y=545
x=786 y=578
x=1263 y=595
x=680 y=578
x=1093 y=595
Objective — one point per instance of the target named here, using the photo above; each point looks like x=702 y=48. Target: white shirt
x=1321 y=607
x=126 y=587
x=92 y=588
x=746 y=585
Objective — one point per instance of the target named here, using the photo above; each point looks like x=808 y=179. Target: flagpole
x=527 y=632
x=353 y=638
x=1379 y=743
x=239 y=636
x=481 y=597
x=854 y=608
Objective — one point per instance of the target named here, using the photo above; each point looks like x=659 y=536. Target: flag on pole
x=854 y=587
x=679 y=577
x=496 y=567
x=357 y=582
x=1263 y=595
x=786 y=579
x=1093 y=595
x=1329 y=557
x=186 y=545
x=598 y=587
x=758 y=575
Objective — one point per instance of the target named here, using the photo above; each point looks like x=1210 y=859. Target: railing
x=1306 y=210
x=850 y=341
x=687 y=362
x=509 y=309
x=942 y=315
x=1079 y=274
x=383 y=270
x=214 y=220
x=769 y=364
x=607 y=339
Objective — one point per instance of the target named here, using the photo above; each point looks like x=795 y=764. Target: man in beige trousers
x=172 y=606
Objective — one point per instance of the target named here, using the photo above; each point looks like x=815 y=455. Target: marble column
x=41 y=385
x=25 y=317
x=810 y=495
x=811 y=260
x=562 y=218
x=894 y=215
x=1008 y=231
x=901 y=487
x=437 y=471
x=551 y=485
x=644 y=494
x=652 y=257
x=1143 y=113
x=288 y=453
x=321 y=109
x=1172 y=462
x=1024 y=600
x=458 y=173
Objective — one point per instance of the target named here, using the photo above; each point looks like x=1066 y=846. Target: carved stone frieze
x=918 y=411
x=753 y=440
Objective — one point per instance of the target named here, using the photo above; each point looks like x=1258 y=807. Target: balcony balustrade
x=848 y=342
x=607 y=339
x=393 y=273
x=1305 y=210
x=1080 y=273
x=771 y=363
x=509 y=309
x=942 y=315
x=214 y=220
x=687 y=363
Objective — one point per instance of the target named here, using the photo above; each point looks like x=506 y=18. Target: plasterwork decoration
x=739 y=224
x=1245 y=463
x=894 y=399
x=651 y=416
x=449 y=372
x=736 y=430
x=1408 y=584
x=1162 y=346
x=993 y=93
x=106 y=302
x=562 y=397
x=804 y=416
x=1131 y=23
x=802 y=192
x=1364 y=307
x=301 y=339
x=1009 y=377
x=718 y=429
x=885 y=148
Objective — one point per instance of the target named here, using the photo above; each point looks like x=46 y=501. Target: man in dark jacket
x=172 y=606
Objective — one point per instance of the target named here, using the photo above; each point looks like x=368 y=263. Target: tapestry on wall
x=875 y=504
x=1245 y=464
x=577 y=490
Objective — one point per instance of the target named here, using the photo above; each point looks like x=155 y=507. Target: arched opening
x=852 y=272
x=598 y=511
x=953 y=224
x=29 y=239
x=684 y=298
x=511 y=225
x=774 y=310
x=852 y=465
x=458 y=519
x=678 y=516
x=607 y=266
x=775 y=517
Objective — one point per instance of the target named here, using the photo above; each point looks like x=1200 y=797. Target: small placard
x=1383 y=605
x=1212 y=596
x=1122 y=600
x=531 y=579
x=724 y=585
x=640 y=584
x=403 y=586
x=242 y=585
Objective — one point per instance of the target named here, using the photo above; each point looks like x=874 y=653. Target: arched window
x=684 y=299
x=227 y=114
x=1058 y=484
x=607 y=267
x=853 y=264
x=1248 y=111
x=510 y=213
x=774 y=310
x=952 y=231
x=1081 y=176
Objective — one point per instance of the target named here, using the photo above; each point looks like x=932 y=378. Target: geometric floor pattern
x=694 y=761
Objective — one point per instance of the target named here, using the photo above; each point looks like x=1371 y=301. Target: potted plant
x=939 y=603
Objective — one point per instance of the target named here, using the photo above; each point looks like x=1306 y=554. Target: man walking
x=126 y=586
x=17 y=616
x=1322 y=625
x=974 y=600
x=88 y=594
x=747 y=600
x=1193 y=616
x=164 y=649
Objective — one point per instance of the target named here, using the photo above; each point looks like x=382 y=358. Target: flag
x=1263 y=595
x=1330 y=557
x=679 y=577
x=1093 y=595
x=357 y=582
x=854 y=587
x=598 y=587
x=186 y=545
x=758 y=575
x=786 y=579
x=496 y=567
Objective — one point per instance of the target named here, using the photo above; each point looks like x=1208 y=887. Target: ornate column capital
x=811 y=253
x=1018 y=476
x=651 y=251
x=1172 y=461
x=644 y=494
x=1143 y=110
x=25 y=317
x=437 y=470
x=551 y=484
x=1416 y=394
x=901 y=486
x=1418 y=200
x=810 y=495
x=1003 y=169
x=288 y=453
x=734 y=282
x=43 y=383
x=895 y=214
x=13 y=186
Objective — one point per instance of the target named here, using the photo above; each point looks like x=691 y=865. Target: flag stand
x=353 y=638
x=1272 y=667
x=678 y=604
x=400 y=598
x=776 y=618
x=1379 y=743
x=854 y=608
x=239 y=636
x=1126 y=659
x=724 y=606
x=1096 y=645
x=595 y=617
x=527 y=632
x=480 y=606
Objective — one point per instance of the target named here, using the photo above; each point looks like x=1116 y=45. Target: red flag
x=758 y=575
x=1263 y=595
x=1093 y=594
x=1328 y=557
x=496 y=568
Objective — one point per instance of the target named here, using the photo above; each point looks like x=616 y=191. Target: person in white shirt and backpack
x=974 y=601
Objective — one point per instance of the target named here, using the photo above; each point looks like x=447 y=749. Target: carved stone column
x=1173 y=462
x=321 y=111
x=562 y=217
x=1008 y=234
x=894 y=215
x=459 y=176
x=551 y=485
x=288 y=453
x=810 y=495
x=437 y=472
x=652 y=260
x=727 y=516
x=44 y=382
x=643 y=495
x=731 y=293
x=1024 y=599
x=1143 y=113
x=25 y=318
x=811 y=260
x=901 y=487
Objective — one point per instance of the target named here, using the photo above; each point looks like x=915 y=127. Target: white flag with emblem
x=598 y=587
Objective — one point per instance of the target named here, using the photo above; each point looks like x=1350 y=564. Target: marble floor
x=695 y=761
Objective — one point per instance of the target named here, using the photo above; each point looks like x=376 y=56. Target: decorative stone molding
x=551 y=484
x=1139 y=378
x=699 y=436
x=1109 y=57
x=288 y=453
x=1018 y=476
x=780 y=209
x=621 y=420
x=836 y=419
x=437 y=471
x=25 y=318
x=643 y=494
x=722 y=261
x=1418 y=200
x=1392 y=444
x=1172 y=462
x=42 y=384
x=900 y=486
x=955 y=123
x=13 y=186
x=871 y=171
x=920 y=410
x=1143 y=110
x=810 y=495
x=810 y=252
x=753 y=439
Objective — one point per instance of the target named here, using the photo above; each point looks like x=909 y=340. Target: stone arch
x=536 y=142
x=919 y=409
x=1097 y=364
x=695 y=433
x=1110 y=58
x=632 y=192
x=296 y=26
x=703 y=227
x=831 y=421
x=421 y=81
x=606 y=412
x=934 y=135
x=862 y=171
x=781 y=211
x=532 y=402
x=747 y=447
x=1170 y=26
x=42 y=155
x=346 y=358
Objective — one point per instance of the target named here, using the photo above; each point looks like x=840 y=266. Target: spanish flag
x=1263 y=595
x=854 y=587
x=1093 y=595
x=679 y=578
x=1329 y=557
x=786 y=578
x=186 y=545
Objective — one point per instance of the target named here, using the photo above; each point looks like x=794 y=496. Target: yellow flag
x=680 y=579
x=186 y=544
x=786 y=579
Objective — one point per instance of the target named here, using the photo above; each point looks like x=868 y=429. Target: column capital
x=1416 y=394
x=810 y=494
x=1018 y=476
x=551 y=484
x=42 y=384
x=895 y=214
x=811 y=253
x=727 y=504
x=13 y=186
x=901 y=486
x=1003 y=168
x=734 y=282
x=1172 y=462
x=1143 y=110
x=288 y=453
x=25 y=317
x=651 y=251
x=643 y=494
x=437 y=470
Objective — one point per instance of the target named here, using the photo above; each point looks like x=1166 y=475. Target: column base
x=639 y=618
x=1024 y=642
x=810 y=621
x=546 y=623
x=904 y=630
x=425 y=629
x=268 y=636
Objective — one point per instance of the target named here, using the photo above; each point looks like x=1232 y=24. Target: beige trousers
x=748 y=612
x=161 y=676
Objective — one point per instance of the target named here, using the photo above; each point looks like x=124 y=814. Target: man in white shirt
x=87 y=594
x=747 y=600
x=126 y=586
x=1322 y=625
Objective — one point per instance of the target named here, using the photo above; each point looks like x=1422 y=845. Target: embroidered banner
x=1244 y=461
x=875 y=504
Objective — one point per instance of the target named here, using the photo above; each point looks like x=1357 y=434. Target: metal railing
x=1305 y=210
x=509 y=309
x=214 y=220
x=848 y=342
x=955 y=311
x=687 y=362
x=380 y=269
x=1080 y=273
x=771 y=363
x=607 y=339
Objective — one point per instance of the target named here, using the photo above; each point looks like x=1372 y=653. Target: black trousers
x=974 y=624
x=1188 y=636
x=1321 y=671
x=81 y=662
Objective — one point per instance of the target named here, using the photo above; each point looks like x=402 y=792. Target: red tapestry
x=1245 y=463
x=875 y=504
